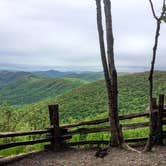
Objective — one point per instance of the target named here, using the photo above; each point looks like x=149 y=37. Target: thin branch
x=153 y=11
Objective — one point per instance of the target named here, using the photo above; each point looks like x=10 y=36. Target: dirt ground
x=86 y=157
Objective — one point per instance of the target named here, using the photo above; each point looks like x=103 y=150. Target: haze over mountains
x=8 y=76
x=30 y=68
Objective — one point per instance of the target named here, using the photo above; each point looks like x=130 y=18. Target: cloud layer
x=64 y=33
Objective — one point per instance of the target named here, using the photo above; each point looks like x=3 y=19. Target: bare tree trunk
x=102 y=46
x=153 y=62
x=116 y=138
x=152 y=139
x=109 y=72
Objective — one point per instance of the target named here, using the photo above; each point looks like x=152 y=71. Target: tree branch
x=153 y=11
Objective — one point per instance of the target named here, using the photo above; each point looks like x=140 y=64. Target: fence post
x=54 y=122
x=154 y=119
x=160 y=119
x=153 y=126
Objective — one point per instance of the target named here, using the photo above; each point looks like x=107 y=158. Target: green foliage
x=30 y=89
x=164 y=15
x=87 y=102
x=9 y=118
x=90 y=76
x=7 y=77
x=90 y=101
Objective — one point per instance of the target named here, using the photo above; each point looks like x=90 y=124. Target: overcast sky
x=64 y=33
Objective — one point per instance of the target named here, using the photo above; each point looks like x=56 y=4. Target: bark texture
x=152 y=140
x=116 y=138
x=102 y=45
x=109 y=71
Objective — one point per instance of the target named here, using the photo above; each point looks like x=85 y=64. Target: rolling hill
x=85 y=102
x=89 y=101
x=52 y=73
x=84 y=75
x=30 y=89
x=7 y=77
x=17 y=88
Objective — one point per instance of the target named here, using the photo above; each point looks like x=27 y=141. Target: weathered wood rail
x=104 y=120
x=57 y=135
x=17 y=134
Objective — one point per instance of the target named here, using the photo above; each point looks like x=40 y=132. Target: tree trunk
x=152 y=140
x=109 y=72
x=102 y=46
x=116 y=138
x=153 y=63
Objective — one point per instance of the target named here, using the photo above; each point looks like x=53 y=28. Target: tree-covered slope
x=88 y=76
x=86 y=102
x=84 y=75
x=89 y=101
x=30 y=89
x=7 y=77
x=52 y=73
x=91 y=76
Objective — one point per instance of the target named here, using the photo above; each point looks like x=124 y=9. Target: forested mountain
x=17 y=88
x=7 y=77
x=90 y=100
x=30 y=89
x=52 y=73
x=86 y=75
x=79 y=101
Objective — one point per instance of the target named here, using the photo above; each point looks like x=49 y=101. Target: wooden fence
x=57 y=135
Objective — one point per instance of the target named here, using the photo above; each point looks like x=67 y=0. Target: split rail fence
x=57 y=135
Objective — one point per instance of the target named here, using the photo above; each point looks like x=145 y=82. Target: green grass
x=21 y=149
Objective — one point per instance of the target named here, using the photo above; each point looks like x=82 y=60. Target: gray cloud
x=64 y=33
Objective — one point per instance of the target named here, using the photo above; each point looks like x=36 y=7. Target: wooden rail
x=23 y=143
x=17 y=134
x=106 y=128
x=104 y=120
x=92 y=122
x=32 y=142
